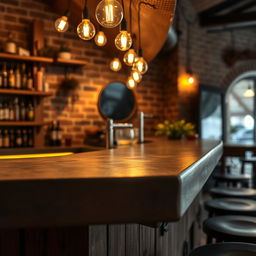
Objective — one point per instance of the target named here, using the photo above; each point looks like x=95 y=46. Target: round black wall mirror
x=117 y=102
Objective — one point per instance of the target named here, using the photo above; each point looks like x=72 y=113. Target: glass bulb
x=115 y=64
x=140 y=65
x=130 y=57
x=136 y=76
x=123 y=41
x=191 y=80
x=61 y=24
x=100 y=38
x=109 y=13
x=249 y=93
x=86 y=30
x=131 y=84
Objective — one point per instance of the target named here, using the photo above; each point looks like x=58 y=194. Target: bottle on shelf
x=11 y=79
x=6 y=112
x=17 y=77
x=30 y=112
x=22 y=111
x=1 y=139
x=12 y=138
x=25 y=138
x=18 y=139
x=23 y=76
x=59 y=134
x=1 y=78
x=30 y=82
x=5 y=76
x=16 y=110
x=11 y=112
x=6 y=139
x=1 y=112
x=40 y=79
x=30 y=138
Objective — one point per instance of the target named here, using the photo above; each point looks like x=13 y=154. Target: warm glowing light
x=131 y=84
x=61 y=24
x=130 y=57
x=136 y=76
x=191 y=80
x=188 y=82
x=123 y=41
x=86 y=30
x=140 y=66
x=109 y=13
x=100 y=38
x=115 y=64
x=35 y=155
x=249 y=93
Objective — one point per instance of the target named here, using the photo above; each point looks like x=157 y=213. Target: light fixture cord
x=123 y=8
x=130 y=13
x=139 y=25
x=189 y=70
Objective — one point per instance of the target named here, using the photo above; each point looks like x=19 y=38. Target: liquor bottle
x=1 y=112
x=1 y=78
x=11 y=79
x=53 y=134
x=5 y=76
x=25 y=138
x=30 y=112
x=11 y=112
x=30 y=81
x=1 y=139
x=40 y=79
x=16 y=110
x=6 y=112
x=59 y=134
x=18 y=139
x=23 y=77
x=6 y=139
x=22 y=111
x=17 y=77
x=12 y=138
x=30 y=138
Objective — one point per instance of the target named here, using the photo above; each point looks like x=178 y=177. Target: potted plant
x=64 y=52
x=176 y=129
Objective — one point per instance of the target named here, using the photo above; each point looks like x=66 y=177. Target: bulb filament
x=109 y=12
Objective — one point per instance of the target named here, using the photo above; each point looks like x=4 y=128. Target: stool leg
x=242 y=168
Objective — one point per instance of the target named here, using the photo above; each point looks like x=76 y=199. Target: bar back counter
x=107 y=202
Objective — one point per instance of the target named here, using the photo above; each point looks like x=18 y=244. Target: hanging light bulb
x=136 y=76
x=130 y=57
x=191 y=79
x=109 y=13
x=100 y=38
x=123 y=41
x=61 y=24
x=131 y=84
x=115 y=64
x=249 y=92
x=140 y=65
x=86 y=29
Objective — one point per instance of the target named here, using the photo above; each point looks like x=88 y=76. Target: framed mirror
x=117 y=102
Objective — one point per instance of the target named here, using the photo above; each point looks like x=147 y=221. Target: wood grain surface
x=141 y=183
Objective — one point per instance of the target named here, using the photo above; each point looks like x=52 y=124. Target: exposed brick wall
x=17 y=16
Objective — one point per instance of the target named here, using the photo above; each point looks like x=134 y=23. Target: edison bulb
x=131 y=84
x=136 y=76
x=109 y=13
x=115 y=64
x=61 y=24
x=123 y=41
x=86 y=30
x=100 y=38
x=140 y=65
x=191 y=80
x=130 y=57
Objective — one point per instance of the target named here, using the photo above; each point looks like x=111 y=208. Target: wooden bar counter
x=148 y=183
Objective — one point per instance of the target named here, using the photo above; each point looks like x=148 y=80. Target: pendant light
x=141 y=65
x=100 y=38
x=249 y=92
x=61 y=24
x=130 y=56
x=115 y=64
x=109 y=13
x=136 y=76
x=131 y=84
x=86 y=29
x=123 y=40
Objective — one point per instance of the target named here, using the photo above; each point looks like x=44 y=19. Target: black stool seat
x=234 y=192
x=225 y=249
x=232 y=177
x=234 y=206
x=231 y=228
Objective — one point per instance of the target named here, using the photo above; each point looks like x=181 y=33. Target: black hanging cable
x=85 y=13
x=188 y=60
x=139 y=25
x=130 y=16
x=123 y=8
x=67 y=12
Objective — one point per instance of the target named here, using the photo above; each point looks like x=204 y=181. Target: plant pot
x=64 y=55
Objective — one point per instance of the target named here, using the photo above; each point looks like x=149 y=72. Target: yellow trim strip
x=35 y=155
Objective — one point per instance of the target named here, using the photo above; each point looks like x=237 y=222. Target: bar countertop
x=150 y=182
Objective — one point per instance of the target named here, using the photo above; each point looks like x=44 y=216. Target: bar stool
x=233 y=179
x=233 y=192
x=225 y=249
x=227 y=206
x=231 y=228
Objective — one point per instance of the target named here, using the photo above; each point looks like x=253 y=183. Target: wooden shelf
x=22 y=123
x=8 y=56
x=71 y=62
x=24 y=92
